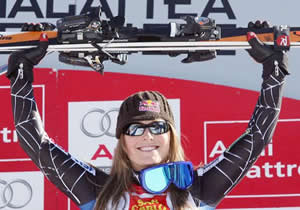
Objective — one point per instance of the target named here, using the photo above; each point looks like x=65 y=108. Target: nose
x=147 y=134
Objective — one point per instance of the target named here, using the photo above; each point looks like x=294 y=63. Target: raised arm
x=220 y=176
x=76 y=179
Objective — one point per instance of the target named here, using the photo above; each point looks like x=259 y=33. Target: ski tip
x=3 y=69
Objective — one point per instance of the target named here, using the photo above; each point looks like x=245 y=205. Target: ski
x=232 y=38
x=88 y=40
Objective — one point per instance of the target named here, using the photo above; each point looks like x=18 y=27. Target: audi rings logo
x=8 y=194
x=98 y=122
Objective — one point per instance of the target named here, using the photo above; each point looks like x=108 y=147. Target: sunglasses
x=138 y=129
x=158 y=178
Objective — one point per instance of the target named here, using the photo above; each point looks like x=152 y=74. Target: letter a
x=219 y=148
x=102 y=152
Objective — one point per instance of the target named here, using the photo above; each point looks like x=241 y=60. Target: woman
x=149 y=169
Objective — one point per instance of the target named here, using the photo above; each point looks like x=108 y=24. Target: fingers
x=251 y=36
x=259 y=51
x=38 y=27
x=259 y=24
x=32 y=27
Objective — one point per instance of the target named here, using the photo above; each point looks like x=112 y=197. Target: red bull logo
x=149 y=105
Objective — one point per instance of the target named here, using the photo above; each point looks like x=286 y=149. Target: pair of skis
x=232 y=39
x=88 y=40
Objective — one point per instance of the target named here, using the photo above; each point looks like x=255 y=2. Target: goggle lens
x=138 y=129
x=157 y=174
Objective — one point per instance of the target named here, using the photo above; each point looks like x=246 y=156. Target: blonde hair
x=120 y=180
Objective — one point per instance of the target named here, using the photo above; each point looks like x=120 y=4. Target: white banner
x=22 y=190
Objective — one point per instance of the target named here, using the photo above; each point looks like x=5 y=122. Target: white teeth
x=147 y=148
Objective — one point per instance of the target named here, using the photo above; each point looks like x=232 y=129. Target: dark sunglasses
x=158 y=178
x=138 y=129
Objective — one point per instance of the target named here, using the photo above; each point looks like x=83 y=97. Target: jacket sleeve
x=79 y=181
x=219 y=177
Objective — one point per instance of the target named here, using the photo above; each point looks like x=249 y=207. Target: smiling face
x=148 y=149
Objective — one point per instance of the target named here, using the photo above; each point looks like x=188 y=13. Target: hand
x=259 y=51
x=35 y=55
x=25 y=60
x=265 y=54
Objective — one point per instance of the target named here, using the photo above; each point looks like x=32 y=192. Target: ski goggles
x=158 y=178
x=138 y=129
